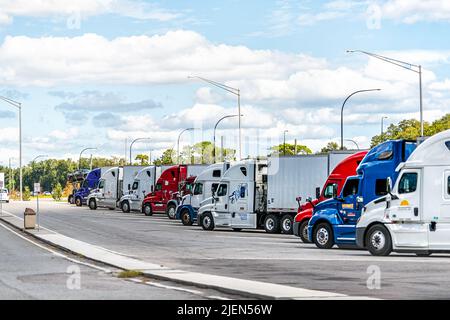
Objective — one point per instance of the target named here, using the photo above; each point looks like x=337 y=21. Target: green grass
x=130 y=274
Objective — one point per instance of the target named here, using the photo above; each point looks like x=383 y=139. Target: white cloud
x=412 y=11
x=141 y=10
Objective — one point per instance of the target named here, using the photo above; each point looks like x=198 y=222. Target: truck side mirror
x=151 y=188
x=335 y=191
x=317 y=192
x=299 y=200
x=129 y=187
x=388 y=185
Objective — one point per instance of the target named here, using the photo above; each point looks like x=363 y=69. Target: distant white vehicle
x=4 y=196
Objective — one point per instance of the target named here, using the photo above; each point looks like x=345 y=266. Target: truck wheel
x=378 y=241
x=78 y=202
x=272 y=224
x=171 y=211
x=323 y=236
x=92 y=204
x=286 y=224
x=70 y=199
x=207 y=221
x=125 y=207
x=303 y=231
x=148 y=209
x=186 y=218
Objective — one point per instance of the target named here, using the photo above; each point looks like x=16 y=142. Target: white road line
x=60 y=255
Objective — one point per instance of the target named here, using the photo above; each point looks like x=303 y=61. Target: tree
x=410 y=129
x=168 y=157
x=57 y=192
x=143 y=158
x=26 y=194
x=331 y=146
x=290 y=149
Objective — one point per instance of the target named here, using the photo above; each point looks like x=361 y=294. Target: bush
x=57 y=192
x=26 y=194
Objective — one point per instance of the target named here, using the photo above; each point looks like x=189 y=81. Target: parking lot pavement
x=253 y=254
x=30 y=270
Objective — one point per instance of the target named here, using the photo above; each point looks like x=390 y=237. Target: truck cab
x=335 y=181
x=203 y=188
x=414 y=216
x=108 y=190
x=334 y=220
x=143 y=184
x=89 y=183
x=239 y=198
x=171 y=185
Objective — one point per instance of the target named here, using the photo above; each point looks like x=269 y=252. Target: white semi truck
x=204 y=185
x=113 y=184
x=415 y=214
x=263 y=192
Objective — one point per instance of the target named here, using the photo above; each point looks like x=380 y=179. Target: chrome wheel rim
x=206 y=222
x=270 y=224
x=322 y=236
x=378 y=240
x=185 y=217
x=125 y=206
x=305 y=232
x=147 y=209
x=171 y=212
x=287 y=224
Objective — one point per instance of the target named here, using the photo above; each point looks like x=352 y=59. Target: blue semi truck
x=89 y=183
x=334 y=221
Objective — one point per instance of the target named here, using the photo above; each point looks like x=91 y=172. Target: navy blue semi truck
x=90 y=182
x=334 y=221
x=76 y=179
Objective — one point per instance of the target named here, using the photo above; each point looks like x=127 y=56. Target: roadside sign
x=2 y=179
x=37 y=187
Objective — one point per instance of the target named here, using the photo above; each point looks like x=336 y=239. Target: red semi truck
x=344 y=169
x=173 y=183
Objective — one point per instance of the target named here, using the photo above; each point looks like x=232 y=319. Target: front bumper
x=360 y=237
x=296 y=230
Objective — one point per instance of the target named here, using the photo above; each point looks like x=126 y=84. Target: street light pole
x=131 y=146
x=342 y=112
x=214 y=136
x=18 y=105
x=79 y=159
x=382 y=123
x=356 y=144
x=178 y=143
x=284 y=142
x=404 y=65
x=236 y=92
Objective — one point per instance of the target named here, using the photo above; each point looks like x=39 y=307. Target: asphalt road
x=252 y=254
x=30 y=271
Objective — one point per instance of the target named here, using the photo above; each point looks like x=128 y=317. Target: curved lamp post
x=79 y=159
x=215 y=127
x=178 y=143
x=342 y=112
x=131 y=146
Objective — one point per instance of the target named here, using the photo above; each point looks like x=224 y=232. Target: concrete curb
x=235 y=286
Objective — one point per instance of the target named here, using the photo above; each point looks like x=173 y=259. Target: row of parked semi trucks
x=394 y=197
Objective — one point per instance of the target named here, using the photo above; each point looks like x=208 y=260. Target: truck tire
x=171 y=211
x=147 y=209
x=286 y=224
x=186 y=218
x=125 y=207
x=70 y=199
x=323 y=236
x=378 y=240
x=78 y=202
x=207 y=221
x=303 y=231
x=92 y=204
x=272 y=224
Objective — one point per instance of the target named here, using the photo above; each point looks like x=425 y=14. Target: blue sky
x=97 y=72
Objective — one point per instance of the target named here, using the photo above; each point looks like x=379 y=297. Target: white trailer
x=129 y=173
x=415 y=215
x=108 y=190
x=262 y=193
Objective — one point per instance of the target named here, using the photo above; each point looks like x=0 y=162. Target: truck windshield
x=135 y=185
x=350 y=188
x=328 y=191
x=222 y=190
x=198 y=188
x=158 y=187
x=101 y=184
x=383 y=151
